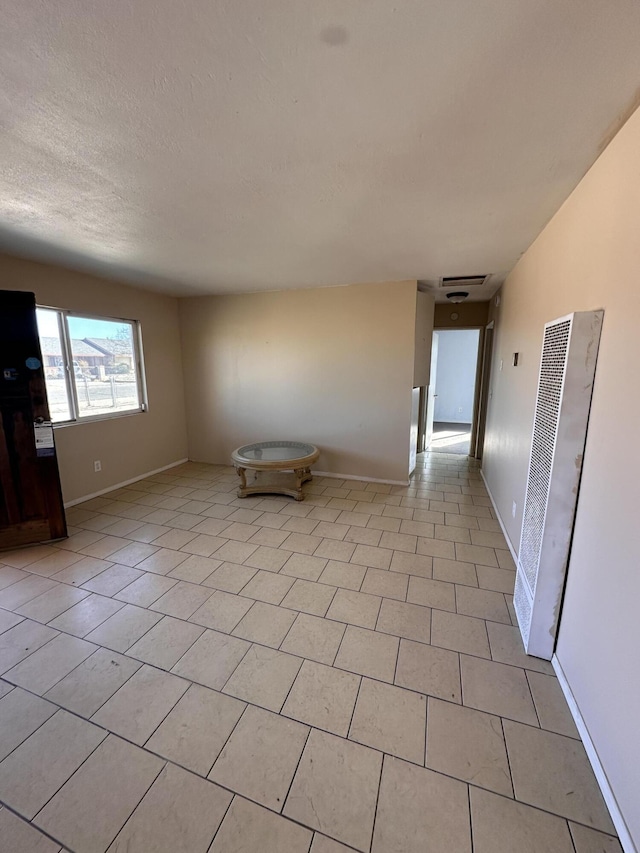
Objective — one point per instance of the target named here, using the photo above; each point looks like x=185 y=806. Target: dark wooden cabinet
x=31 y=508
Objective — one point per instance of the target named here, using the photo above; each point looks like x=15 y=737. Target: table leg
x=300 y=479
x=241 y=472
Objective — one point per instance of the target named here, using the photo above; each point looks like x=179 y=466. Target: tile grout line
x=375 y=811
x=234 y=669
x=353 y=710
x=75 y=668
x=226 y=812
x=506 y=749
x=92 y=628
x=83 y=555
x=533 y=702
x=288 y=631
x=37 y=729
x=59 y=788
x=573 y=841
x=186 y=621
x=228 y=738
x=34 y=826
x=155 y=779
x=426 y=733
x=470 y=819
x=158 y=755
x=80 y=552
x=187 y=769
x=293 y=776
x=220 y=691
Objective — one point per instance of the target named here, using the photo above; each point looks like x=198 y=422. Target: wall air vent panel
x=565 y=383
x=463 y=281
x=522 y=604
x=554 y=355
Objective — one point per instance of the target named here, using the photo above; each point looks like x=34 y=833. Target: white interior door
x=431 y=394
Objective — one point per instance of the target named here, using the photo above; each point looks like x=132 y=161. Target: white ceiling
x=209 y=146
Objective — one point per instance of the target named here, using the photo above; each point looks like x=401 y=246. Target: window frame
x=63 y=315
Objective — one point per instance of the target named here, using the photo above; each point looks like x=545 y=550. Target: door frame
x=424 y=400
x=476 y=390
x=422 y=418
x=484 y=385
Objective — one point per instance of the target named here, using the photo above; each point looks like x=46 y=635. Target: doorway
x=451 y=402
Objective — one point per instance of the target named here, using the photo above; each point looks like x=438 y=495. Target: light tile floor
x=193 y=672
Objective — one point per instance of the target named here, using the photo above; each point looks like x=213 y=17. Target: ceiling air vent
x=463 y=281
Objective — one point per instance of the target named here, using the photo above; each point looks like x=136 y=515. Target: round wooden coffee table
x=269 y=460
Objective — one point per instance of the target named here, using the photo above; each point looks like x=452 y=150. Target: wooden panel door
x=31 y=508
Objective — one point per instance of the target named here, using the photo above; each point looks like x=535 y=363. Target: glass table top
x=276 y=451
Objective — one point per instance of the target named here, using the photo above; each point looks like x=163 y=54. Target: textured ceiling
x=210 y=146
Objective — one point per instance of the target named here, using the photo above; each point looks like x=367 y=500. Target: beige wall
x=128 y=446
x=587 y=257
x=424 y=331
x=332 y=366
x=469 y=314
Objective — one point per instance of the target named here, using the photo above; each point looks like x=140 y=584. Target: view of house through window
x=91 y=365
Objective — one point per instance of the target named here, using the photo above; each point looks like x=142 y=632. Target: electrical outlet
x=97 y=466
x=459 y=410
x=513 y=509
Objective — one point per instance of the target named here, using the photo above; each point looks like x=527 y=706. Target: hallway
x=451 y=438
x=268 y=676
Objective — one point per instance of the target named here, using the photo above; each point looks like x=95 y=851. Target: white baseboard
x=499 y=517
x=124 y=483
x=358 y=477
x=609 y=797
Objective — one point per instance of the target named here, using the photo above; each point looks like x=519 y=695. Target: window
x=92 y=365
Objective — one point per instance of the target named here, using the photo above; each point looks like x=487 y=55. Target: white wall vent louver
x=462 y=281
x=569 y=351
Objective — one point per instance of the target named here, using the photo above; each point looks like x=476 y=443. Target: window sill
x=96 y=418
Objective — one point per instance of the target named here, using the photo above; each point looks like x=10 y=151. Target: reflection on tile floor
x=194 y=672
